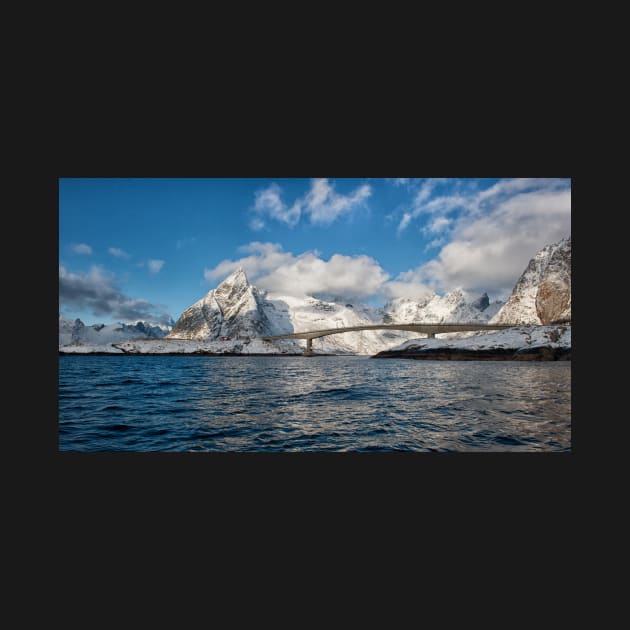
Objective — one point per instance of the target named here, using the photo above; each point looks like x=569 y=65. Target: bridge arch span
x=429 y=329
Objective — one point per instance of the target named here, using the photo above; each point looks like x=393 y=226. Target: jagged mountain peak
x=542 y=295
x=233 y=290
x=237 y=277
x=454 y=295
x=230 y=310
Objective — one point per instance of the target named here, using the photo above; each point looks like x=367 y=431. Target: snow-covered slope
x=455 y=306
x=213 y=346
x=236 y=311
x=512 y=338
x=76 y=333
x=293 y=314
x=542 y=294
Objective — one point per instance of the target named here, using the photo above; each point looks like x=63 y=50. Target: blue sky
x=148 y=248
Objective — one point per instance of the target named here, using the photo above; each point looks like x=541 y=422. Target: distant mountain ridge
x=453 y=307
x=75 y=332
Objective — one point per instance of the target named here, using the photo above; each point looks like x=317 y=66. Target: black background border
x=458 y=486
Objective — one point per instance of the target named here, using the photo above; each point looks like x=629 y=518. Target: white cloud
x=268 y=202
x=324 y=205
x=265 y=257
x=118 y=253
x=505 y=227
x=272 y=269
x=418 y=205
x=436 y=242
x=81 y=248
x=321 y=203
x=409 y=182
x=427 y=188
x=401 y=288
x=155 y=265
x=439 y=224
x=405 y=221
x=469 y=200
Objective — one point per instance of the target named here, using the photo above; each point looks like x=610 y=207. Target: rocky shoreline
x=520 y=343
x=432 y=354
x=496 y=354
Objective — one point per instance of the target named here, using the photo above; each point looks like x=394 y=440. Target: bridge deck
x=430 y=329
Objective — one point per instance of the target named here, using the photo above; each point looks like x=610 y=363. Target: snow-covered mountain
x=542 y=294
x=232 y=317
x=455 y=306
x=234 y=309
x=236 y=312
x=75 y=332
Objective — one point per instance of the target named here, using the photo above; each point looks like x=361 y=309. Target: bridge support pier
x=308 y=352
x=431 y=335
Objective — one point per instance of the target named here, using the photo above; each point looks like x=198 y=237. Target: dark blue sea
x=189 y=404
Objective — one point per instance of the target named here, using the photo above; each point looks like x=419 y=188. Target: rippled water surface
x=145 y=403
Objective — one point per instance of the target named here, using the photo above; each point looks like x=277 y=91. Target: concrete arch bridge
x=429 y=329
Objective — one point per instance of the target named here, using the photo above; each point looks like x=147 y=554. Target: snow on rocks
x=542 y=295
x=544 y=342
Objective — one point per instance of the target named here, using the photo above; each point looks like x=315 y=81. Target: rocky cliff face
x=232 y=310
x=542 y=294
